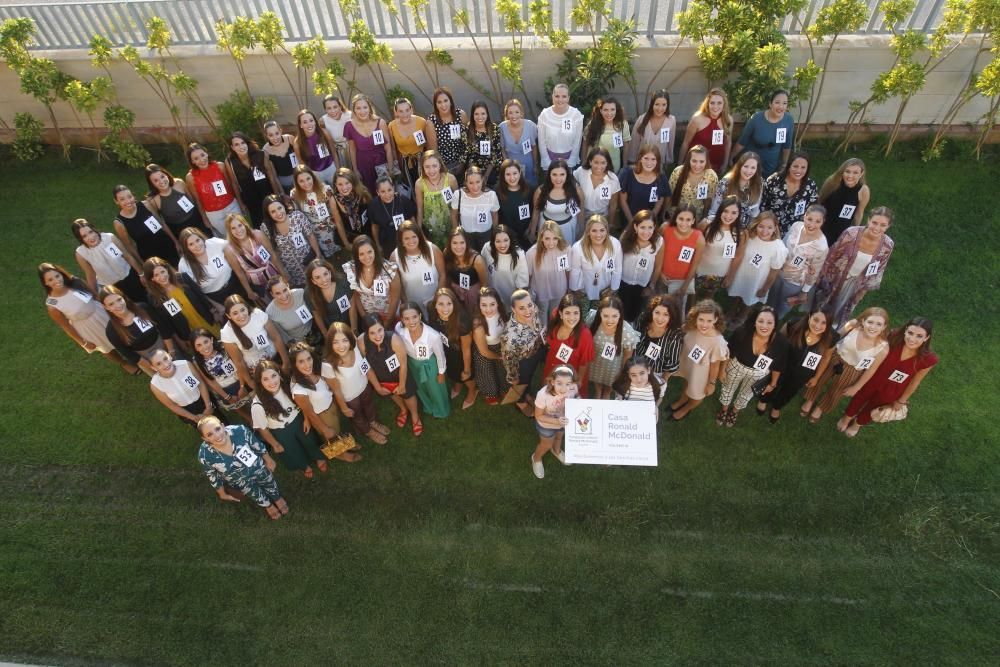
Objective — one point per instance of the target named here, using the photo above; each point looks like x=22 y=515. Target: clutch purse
x=886 y=413
x=337 y=445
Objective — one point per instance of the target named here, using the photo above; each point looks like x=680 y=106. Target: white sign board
x=611 y=432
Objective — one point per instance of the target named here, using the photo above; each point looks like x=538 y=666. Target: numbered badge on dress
x=664 y=135
x=567 y=125
x=322 y=151
x=454 y=130
x=523 y=212
x=419 y=138
x=564 y=353
x=392 y=363
x=447 y=194
x=811 y=361
x=757 y=259
x=610 y=265
x=562 y=263
x=798 y=261
x=292 y=160
x=605 y=192
x=865 y=363
x=423 y=352
x=482 y=218
x=728 y=250
x=113 y=251
x=464 y=281
x=427 y=278
x=696 y=354
x=573 y=207
x=847 y=212
x=380 y=288
x=304 y=314
x=217 y=262
x=245 y=455
x=52 y=301
x=609 y=352
x=228 y=367
x=378 y=138
x=899 y=377
x=298 y=240
x=152 y=224
x=484 y=148
x=653 y=197
x=702 y=190
x=343 y=303
x=872 y=269
x=653 y=351
x=144 y=325
x=616 y=140
x=364 y=367
x=82 y=296
x=686 y=254
x=173 y=308
x=258 y=175
x=642 y=263
x=191 y=381
x=718 y=136
x=263 y=254
x=526 y=146
x=219 y=188
x=763 y=362
x=800 y=208
x=780 y=135
x=397 y=220
x=322 y=211
x=261 y=341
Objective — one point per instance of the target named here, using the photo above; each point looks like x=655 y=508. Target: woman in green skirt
x=426 y=360
x=280 y=423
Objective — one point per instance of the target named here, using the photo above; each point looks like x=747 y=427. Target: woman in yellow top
x=408 y=140
x=178 y=299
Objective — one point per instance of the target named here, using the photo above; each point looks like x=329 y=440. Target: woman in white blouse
x=426 y=361
x=211 y=263
x=599 y=185
x=642 y=258
x=807 y=250
x=475 y=208
x=506 y=264
x=250 y=338
x=596 y=260
x=560 y=130
x=180 y=387
x=105 y=260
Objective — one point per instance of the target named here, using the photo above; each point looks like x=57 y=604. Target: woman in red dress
x=904 y=368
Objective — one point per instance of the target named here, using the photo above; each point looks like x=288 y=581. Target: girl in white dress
x=759 y=259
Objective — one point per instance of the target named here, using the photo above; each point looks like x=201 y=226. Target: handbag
x=760 y=385
x=886 y=413
x=337 y=445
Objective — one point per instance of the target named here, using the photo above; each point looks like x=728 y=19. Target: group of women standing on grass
x=425 y=259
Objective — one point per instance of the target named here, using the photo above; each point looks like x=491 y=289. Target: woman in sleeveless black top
x=136 y=223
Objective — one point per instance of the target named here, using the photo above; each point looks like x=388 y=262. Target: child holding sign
x=550 y=416
x=614 y=340
x=758 y=350
x=701 y=357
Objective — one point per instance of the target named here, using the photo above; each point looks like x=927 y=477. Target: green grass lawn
x=785 y=545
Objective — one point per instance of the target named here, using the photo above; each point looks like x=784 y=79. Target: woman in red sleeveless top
x=213 y=190
x=712 y=127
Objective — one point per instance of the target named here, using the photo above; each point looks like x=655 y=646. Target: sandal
x=401 y=418
x=675 y=418
x=761 y=410
x=722 y=415
x=418 y=429
x=377 y=437
x=804 y=411
x=322 y=466
x=381 y=428
x=308 y=472
x=814 y=419
x=350 y=457
x=852 y=431
x=731 y=418
x=281 y=505
x=273 y=512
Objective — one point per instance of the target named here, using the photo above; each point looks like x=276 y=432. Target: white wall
x=855 y=63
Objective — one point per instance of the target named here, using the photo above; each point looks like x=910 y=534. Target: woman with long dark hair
x=250 y=169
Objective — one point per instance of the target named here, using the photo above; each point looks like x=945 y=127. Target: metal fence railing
x=71 y=25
